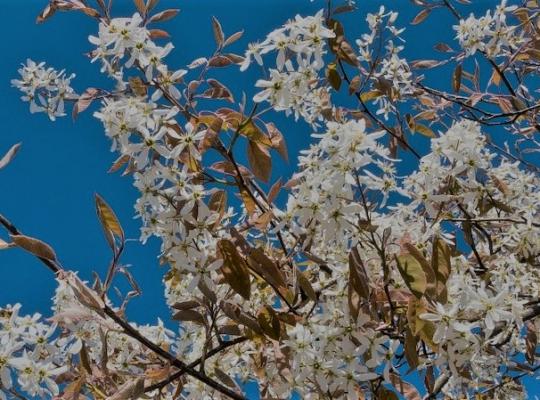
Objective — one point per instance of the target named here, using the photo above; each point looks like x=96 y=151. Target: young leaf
x=259 y=160
x=226 y=379
x=164 y=15
x=233 y=38
x=219 y=36
x=132 y=389
x=186 y=305
x=158 y=34
x=118 y=163
x=410 y=349
x=278 y=141
x=269 y=322
x=407 y=390
x=274 y=191
x=34 y=246
x=426 y=267
x=234 y=268
x=46 y=13
x=9 y=155
x=109 y=221
x=355 y=84
x=333 y=76
x=141 y=7
x=421 y=16
x=267 y=269
x=219 y=61
x=424 y=130
x=218 y=203
x=189 y=315
x=306 y=286
x=358 y=277
x=412 y=273
x=531 y=342
x=456 y=78
x=250 y=205
x=84 y=101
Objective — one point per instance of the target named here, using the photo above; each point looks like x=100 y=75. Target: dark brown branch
x=194 y=364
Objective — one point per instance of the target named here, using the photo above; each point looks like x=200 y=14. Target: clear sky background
x=48 y=189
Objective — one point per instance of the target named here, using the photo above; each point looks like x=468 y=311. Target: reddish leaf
x=259 y=160
x=84 y=101
x=456 y=78
x=141 y=7
x=219 y=36
x=189 y=315
x=34 y=246
x=274 y=191
x=421 y=16
x=164 y=15
x=219 y=61
x=234 y=268
x=269 y=322
x=158 y=34
x=233 y=38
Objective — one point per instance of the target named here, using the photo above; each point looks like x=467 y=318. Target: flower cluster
x=323 y=203
x=490 y=34
x=295 y=85
x=129 y=41
x=44 y=88
x=30 y=350
x=462 y=182
x=392 y=72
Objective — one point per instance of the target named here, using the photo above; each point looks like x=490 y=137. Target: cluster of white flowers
x=295 y=85
x=490 y=33
x=461 y=178
x=30 y=350
x=459 y=156
x=44 y=88
x=462 y=181
x=326 y=209
x=391 y=69
x=344 y=160
x=336 y=354
x=126 y=41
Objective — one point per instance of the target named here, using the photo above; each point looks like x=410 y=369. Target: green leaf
x=269 y=322
x=333 y=76
x=424 y=130
x=412 y=273
x=305 y=285
x=426 y=267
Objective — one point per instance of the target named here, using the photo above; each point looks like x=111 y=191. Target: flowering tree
x=349 y=281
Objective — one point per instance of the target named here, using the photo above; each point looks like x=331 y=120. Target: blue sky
x=48 y=190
